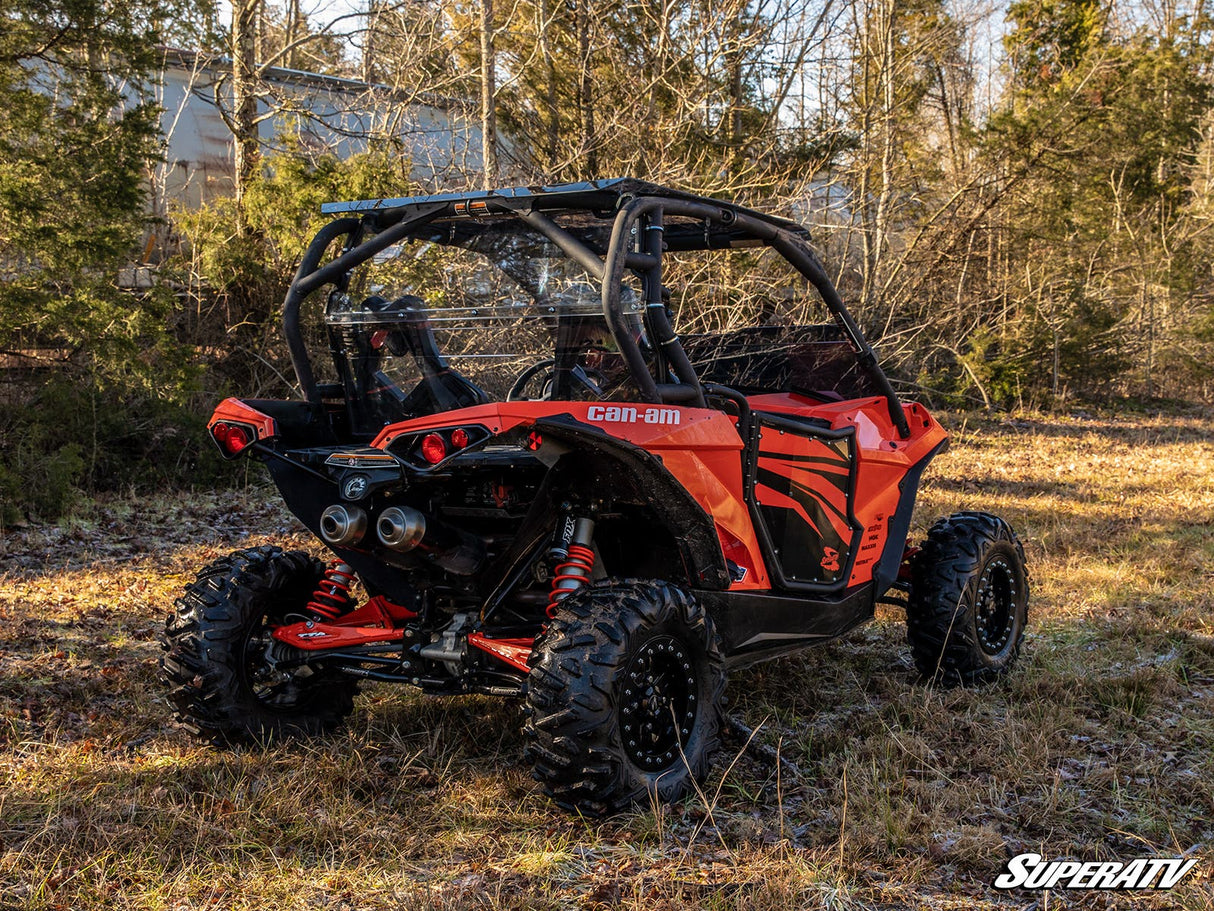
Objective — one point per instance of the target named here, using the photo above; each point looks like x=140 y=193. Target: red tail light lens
x=459 y=438
x=232 y=438
x=434 y=448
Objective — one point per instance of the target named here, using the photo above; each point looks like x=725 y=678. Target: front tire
x=215 y=642
x=968 y=604
x=624 y=697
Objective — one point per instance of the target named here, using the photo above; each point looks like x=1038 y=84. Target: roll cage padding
x=618 y=465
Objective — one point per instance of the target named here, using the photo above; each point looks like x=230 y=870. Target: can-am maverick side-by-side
x=532 y=486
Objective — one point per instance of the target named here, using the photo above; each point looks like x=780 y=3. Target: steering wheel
x=589 y=379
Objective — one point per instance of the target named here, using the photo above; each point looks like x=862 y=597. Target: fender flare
x=886 y=570
x=616 y=464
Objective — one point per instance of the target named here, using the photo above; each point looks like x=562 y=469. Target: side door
x=801 y=486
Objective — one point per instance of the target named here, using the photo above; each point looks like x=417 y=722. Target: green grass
x=892 y=795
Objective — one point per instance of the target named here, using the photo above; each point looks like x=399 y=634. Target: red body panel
x=237 y=412
x=883 y=459
x=702 y=449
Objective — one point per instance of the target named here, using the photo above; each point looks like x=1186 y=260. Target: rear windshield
x=508 y=316
x=471 y=311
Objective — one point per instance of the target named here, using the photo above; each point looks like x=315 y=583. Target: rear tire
x=215 y=647
x=624 y=697
x=968 y=604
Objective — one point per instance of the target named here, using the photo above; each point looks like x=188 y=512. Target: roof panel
x=602 y=197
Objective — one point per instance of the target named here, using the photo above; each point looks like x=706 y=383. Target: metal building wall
x=319 y=113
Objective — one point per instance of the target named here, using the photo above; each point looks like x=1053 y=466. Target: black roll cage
x=637 y=242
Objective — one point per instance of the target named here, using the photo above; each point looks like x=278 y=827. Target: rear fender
x=292 y=422
x=602 y=462
x=885 y=573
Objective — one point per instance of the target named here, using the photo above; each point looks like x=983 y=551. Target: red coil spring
x=580 y=558
x=332 y=596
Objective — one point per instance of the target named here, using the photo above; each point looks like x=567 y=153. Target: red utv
x=531 y=486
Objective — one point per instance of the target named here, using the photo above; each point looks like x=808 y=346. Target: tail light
x=236 y=426
x=233 y=439
x=434 y=448
x=426 y=449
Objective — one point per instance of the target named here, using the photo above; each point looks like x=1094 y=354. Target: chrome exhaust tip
x=400 y=528
x=343 y=525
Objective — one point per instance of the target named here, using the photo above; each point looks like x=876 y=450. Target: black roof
x=591 y=204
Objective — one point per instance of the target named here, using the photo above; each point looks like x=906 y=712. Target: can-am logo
x=1030 y=871
x=628 y=414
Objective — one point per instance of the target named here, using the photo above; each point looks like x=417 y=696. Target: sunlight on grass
x=1100 y=745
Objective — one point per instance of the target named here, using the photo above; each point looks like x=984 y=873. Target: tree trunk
x=368 y=55
x=245 y=15
x=551 y=112
x=881 y=219
x=584 y=93
x=294 y=21
x=863 y=209
x=488 y=99
x=733 y=56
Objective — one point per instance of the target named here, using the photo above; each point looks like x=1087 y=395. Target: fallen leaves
x=1100 y=745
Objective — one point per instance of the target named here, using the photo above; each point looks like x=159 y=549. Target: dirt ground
x=888 y=793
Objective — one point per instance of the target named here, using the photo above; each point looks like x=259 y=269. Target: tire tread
x=203 y=641
x=938 y=626
x=572 y=722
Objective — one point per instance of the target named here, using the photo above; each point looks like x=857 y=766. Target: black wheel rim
x=996 y=605
x=274 y=689
x=658 y=703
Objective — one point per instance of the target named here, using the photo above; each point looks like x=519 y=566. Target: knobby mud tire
x=968 y=604
x=602 y=639
x=211 y=649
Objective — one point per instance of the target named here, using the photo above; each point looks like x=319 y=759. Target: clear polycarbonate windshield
x=425 y=326
x=750 y=321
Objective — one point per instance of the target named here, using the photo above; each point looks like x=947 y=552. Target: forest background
x=1017 y=202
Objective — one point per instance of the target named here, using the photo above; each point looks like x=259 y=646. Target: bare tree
x=244 y=122
x=488 y=96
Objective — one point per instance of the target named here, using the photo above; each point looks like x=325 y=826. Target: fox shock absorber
x=574 y=558
x=332 y=596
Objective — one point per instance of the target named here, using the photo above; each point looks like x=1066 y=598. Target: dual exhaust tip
x=402 y=529
x=398 y=528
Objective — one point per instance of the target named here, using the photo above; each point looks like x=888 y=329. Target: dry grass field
x=888 y=794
